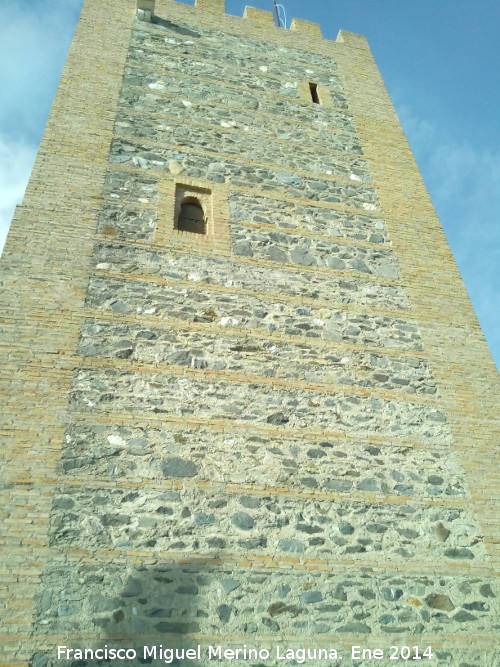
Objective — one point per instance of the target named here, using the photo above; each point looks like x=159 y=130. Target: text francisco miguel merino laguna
x=218 y=652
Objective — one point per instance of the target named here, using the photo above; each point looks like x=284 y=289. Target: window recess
x=313 y=89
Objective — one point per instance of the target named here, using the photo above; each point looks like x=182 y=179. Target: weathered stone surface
x=250 y=49
x=133 y=587
x=331 y=130
x=243 y=606
x=485 y=590
x=229 y=585
x=219 y=72
x=460 y=553
x=232 y=273
x=355 y=628
x=233 y=310
x=255 y=457
x=153 y=157
x=267 y=529
x=311 y=596
x=224 y=407
x=242 y=520
x=442 y=602
x=177 y=467
x=442 y=532
x=223 y=141
x=464 y=617
x=140 y=188
x=315 y=252
x=206 y=350
x=142 y=92
x=127 y=222
x=104 y=391
x=288 y=215
x=39 y=660
x=238 y=53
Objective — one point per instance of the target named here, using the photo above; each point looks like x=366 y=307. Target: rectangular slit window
x=313 y=87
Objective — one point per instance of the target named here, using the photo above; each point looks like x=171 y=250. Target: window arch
x=192 y=217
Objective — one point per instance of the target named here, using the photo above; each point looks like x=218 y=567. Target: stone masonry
x=277 y=435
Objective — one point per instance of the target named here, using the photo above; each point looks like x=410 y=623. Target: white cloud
x=462 y=180
x=16 y=160
x=34 y=38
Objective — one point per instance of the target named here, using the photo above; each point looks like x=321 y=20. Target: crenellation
x=215 y=7
x=145 y=10
x=233 y=33
x=260 y=18
x=352 y=40
x=307 y=27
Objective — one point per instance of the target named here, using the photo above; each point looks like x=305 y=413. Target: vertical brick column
x=458 y=352
x=44 y=275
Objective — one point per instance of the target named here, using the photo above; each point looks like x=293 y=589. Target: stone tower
x=247 y=400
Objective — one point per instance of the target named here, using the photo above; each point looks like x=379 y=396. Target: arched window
x=192 y=217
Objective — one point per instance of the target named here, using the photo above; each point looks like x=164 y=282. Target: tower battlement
x=259 y=18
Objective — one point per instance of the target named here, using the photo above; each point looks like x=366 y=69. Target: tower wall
x=279 y=433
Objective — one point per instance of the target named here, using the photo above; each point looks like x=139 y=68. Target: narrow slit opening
x=313 y=87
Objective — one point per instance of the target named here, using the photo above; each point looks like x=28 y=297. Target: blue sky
x=440 y=60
